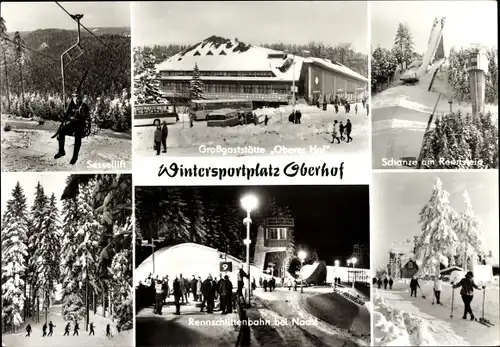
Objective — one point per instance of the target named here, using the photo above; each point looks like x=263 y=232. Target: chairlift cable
x=28 y=48
x=83 y=26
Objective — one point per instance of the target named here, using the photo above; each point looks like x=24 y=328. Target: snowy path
x=25 y=148
x=403 y=320
x=123 y=339
x=315 y=130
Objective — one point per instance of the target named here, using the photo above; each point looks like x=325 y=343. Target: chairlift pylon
x=71 y=57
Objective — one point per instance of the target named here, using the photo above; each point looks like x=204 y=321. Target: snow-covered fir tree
x=14 y=252
x=196 y=85
x=72 y=300
x=146 y=79
x=438 y=238
x=38 y=231
x=196 y=214
x=470 y=236
x=48 y=254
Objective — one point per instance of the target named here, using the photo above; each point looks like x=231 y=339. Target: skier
x=108 y=330
x=177 y=296
x=438 y=285
x=75 y=329
x=335 y=132
x=386 y=282
x=28 y=330
x=157 y=139
x=348 y=129
x=66 y=329
x=75 y=117
x=467 y=292
x=51 y=328
x=44 y=330
x=413 y=286
x=341 y=130
x=164 y=135
x=92 y=332
x=391 y=282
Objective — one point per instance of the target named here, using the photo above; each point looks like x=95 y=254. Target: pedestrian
x=108 y=330
x=66 y=329
x=386 y=282
x=75 y=329
x=164 y=135
x=226 y=290
x=51 y=328
x=367 y=109
x=335 y=132
x=219 y=288
x=336 y=108
x=198 y=288
x=438 y=286
x=177 y=296
x=260 y=281
x=379 y=282
x=92 y=332
x=391 y=282
x=266 y=119
x=356 y=108
x=158 y=296
x=194 y=289
x=413 y=286
x=348 y=129
x=182 y=283
x=467 y=292
x=254 y=285
x=208 y=295
x=166 y=289
x=28 y=330
x=241 y=275
x=157 y=139
x=216 y=291
x=265 y=284
x=44 y=329
x=341 y=131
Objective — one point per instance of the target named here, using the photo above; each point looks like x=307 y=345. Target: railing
x=280 y=222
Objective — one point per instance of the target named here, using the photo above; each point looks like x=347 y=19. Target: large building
x=272 y=245
x=233 y=69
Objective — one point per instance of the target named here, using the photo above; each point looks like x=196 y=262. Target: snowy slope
x=401 y=320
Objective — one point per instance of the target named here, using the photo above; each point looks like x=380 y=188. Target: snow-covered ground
x=315 y=130
x=29 y=147
x=122 y=339
x=401 y=320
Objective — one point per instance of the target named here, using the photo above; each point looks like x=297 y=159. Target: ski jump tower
x=477 y=67
x=434 y=45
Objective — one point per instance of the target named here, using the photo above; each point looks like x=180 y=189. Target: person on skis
x=92 y=332
x=413 y=286
x=44 y=330
x=51 y=328
x=66 y=329
x=467 y=292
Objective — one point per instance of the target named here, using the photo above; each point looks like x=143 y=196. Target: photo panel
x=434 y=84
x=67 y=260
x=66 y=87
x=250 y=79
x=252 y=266
x=435 y=258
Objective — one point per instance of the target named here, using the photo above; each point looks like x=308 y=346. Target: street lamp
x=145 y=243
x=302 y=256
x=337 y=264
x=248 y=202
x=353 y=261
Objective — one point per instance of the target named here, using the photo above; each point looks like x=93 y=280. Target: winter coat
x=226 y=287
x=414 y=283
x=438 y=285
x=164 y=131
x=386 y=281
x=468 y=285
x=158 y=135
x=198 y=286
x=242 y=274
x=335 y=128
x=177 y=289
x=391 y=282
x=265 y=283
x=182 y=284
x=159 y=288
x=341 y=127
x=348 y=127
x=206 y=289
x=193 y=285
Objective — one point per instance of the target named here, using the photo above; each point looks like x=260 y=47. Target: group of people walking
x=67 y=328
x=339 y=129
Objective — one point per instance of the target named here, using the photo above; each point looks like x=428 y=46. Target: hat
x=164 y=122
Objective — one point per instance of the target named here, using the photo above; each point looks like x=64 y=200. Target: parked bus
x=152 y=114
x=199 y=109
x=223 y=118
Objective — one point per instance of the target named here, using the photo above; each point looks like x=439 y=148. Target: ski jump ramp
x=315 y=273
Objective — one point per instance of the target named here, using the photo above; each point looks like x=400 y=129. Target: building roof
x=221 y=54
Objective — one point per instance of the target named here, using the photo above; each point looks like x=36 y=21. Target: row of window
x=153 y=109
x=276 y=233
x=180 y=87
x=247 y=105
x=220 y=73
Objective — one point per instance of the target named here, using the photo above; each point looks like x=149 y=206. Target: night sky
x=330 y=219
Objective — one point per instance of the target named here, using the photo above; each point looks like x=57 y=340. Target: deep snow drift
x=315 y=130
x=401 y=320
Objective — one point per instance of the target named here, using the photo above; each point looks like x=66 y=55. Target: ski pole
x=452 y=296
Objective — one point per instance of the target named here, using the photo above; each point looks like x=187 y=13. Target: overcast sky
x=251 y=22
x=51 y=182
x=397 y=199
x=467 y=22
x=28 y=16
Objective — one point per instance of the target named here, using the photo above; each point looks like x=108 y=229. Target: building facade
x=273 y=244
x=362 y=254
x=232 y=69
